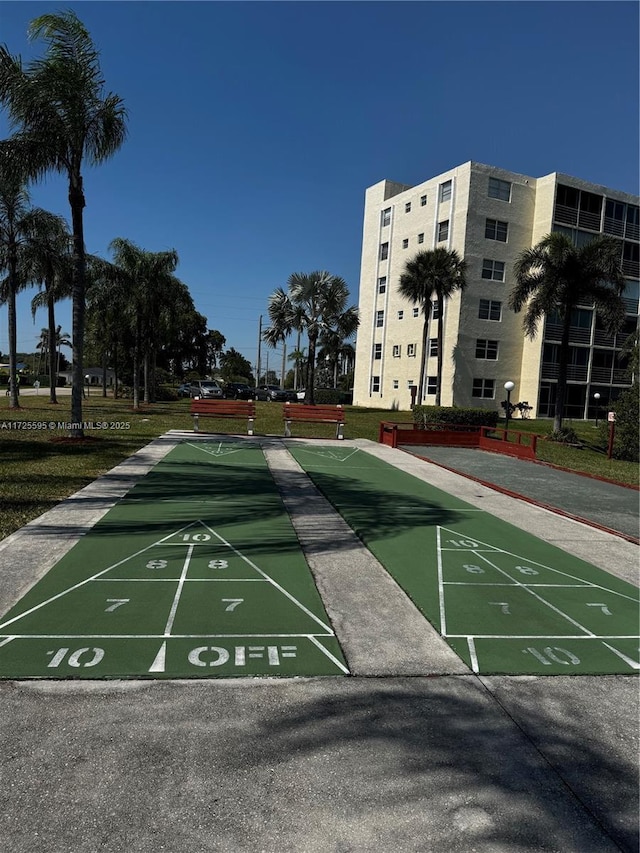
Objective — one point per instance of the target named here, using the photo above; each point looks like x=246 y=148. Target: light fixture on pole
x=596 y=397
x=508 y=387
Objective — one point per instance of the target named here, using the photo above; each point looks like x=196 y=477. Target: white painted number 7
x=116 y=602
x=233 y=603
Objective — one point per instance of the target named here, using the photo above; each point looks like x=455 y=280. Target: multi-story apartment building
x=489 y=215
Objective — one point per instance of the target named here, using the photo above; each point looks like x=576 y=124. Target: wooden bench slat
x=300 y=413
x=224 y=409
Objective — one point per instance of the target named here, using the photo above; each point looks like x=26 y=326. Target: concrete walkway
x=386 y=760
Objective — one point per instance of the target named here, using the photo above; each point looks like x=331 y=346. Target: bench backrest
x=300 y=412
x=243 y=408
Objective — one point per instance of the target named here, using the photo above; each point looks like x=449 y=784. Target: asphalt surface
x=411 y=753
x=602 y=503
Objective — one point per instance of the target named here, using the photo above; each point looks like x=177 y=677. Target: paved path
x=445 y=762
x=605 y=504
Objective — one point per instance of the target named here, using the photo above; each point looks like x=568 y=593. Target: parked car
x=206 y=388
x=238 y=391
x=184 y=390
x=274 y=394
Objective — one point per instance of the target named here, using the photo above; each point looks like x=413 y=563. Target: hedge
x=428 y=415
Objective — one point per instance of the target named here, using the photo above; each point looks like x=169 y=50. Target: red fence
x=495 y=439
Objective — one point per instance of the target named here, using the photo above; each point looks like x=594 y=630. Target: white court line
x=491 y=548
x=331 y=657
x=601 y=637
x=159 y=661
x=186 y=580
x=632 y=663
x=472 y=653
x=270 y=579
x=550 y=585
x=443 y=619
x=328 y=454
x=163 y=637
x=95 y=577
x=7 y=640
x=174 y=606
x=539 y=597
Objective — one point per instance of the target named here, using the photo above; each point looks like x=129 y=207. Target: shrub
x=627 y=437
x=566 y=435
x=443 y=415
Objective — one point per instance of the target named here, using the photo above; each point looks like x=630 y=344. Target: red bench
x=300 y=413
x=224 y=409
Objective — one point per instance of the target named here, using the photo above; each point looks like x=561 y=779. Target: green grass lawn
x=40 y=466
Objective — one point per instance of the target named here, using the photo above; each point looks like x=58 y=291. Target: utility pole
x=284 y=363
x=259 y=342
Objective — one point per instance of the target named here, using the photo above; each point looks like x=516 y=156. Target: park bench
x=224 y=409
x=300 y=413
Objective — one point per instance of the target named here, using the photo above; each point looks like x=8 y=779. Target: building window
x=407 y=207
x=382 y=284
x=494 y=229
x=490 y=310
x=499 y=189
x=384 y=251
x=445 y=191
x=375 y=384
x=396 y=350
x=493 y=270
x=483 y=388
x=433 y=347
x=396 y=384
x=432 y=385
x=405 y=243
x=379 y=319
x=423 y=200
x=385 y=218
x=420 y=238
x=377 y=351
x=416 y=312
x=486 y=349
x=411 y=350
x=443 y=231
x=400 y=315
x=435 y=309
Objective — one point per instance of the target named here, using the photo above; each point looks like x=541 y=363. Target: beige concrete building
x=489 y=215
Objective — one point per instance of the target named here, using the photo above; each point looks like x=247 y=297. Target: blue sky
x=255 y=128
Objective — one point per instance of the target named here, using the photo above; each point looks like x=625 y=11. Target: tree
x=48 y=259
x=215 y=341
x=21 y=227
x=234 y=367
x=554 y=277
x=62 y=119
x=315 y=303
x=440 y=272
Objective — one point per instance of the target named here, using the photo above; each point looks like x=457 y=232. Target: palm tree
x=48 y=258
x=21 y=227
x=315 y=303
x=62 y=118
x=440 y=272
x=146 y=288
x=554 y=277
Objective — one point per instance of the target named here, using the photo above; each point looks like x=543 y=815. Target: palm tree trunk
x=563 y=363
x=423 y=358
x=104 y=373
x=439 y=357
x=14 y=402
x=77 y=203
x=309 y=396
x=52 y=350
x=145 y=375
x=136 y=368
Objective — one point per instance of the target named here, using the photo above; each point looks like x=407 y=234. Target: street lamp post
x=88 y=379
x=596 y=397
x=508 y=387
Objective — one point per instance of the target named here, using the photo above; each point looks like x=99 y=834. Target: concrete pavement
x=412 y=753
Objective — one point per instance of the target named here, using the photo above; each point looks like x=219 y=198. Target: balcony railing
x=631 y=268
x=589 y=220
x=575 y=373
x=566 y=215
x=602 y=339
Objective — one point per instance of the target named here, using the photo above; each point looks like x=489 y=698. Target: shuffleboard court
x=505 y=601
x=196 y=572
